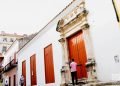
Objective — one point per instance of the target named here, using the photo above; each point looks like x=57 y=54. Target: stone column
x=90 y=52
x=65 y=72
x=63 y=69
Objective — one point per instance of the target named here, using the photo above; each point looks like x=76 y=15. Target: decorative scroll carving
x=62 y=23
x=62 y=40
x=85 y=26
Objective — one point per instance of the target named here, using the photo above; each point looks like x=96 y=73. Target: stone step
x=103 y=84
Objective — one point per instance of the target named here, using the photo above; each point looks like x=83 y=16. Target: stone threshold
x=115 y=83
x=94 y=83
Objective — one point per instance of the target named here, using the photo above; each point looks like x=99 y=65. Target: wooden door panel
x=77 y=51
x=9 y=81
x=72 y=52
x=24 y=71
x=33 y=70
x=49 y=66
x=14 y=79
x=82 y=55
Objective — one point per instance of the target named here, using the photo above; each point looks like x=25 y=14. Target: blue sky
x=28 y=16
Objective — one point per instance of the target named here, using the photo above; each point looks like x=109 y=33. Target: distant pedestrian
x=21 y=80
x=73 y=67
x=6 y=83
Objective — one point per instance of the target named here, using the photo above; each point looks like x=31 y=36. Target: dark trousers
x=74 y=77
x=22 y=84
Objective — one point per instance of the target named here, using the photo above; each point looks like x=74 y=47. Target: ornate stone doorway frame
x=69 y=25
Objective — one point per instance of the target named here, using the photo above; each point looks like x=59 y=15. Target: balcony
x=1 y=57
x=12 y=64
x=1 y=69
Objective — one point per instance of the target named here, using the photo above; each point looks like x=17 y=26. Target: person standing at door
x=6 y=82
x=73 y=67
x=21 y=80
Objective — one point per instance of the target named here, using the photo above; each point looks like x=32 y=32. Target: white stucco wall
x=105 y=34
x=11 y=74
x=10 y=53
x=104 y=30
x=37 y=47
x=7 y=43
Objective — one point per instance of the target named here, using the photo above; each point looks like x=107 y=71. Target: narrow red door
x=14 y=80
x=49 y=65
x=77 y=52
x=33 y=70
x=9 y=81
x=24 y=70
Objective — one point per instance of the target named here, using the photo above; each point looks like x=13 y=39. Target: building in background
x=87 y=31
x=1 y=59
x=6 y=39
x=9 y=64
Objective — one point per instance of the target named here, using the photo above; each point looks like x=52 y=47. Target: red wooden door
x=33 y=70
x=49 y=65
x=9 y=81
x=14 y=79
x=77 y=52
x=24 y=71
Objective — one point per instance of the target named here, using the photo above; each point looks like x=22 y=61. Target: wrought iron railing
x=10 y=65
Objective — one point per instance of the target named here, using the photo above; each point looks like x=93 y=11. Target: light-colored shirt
x=73 y=66
x=21 y=80
x=6 y=82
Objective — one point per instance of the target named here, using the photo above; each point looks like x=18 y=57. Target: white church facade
x=86 y=30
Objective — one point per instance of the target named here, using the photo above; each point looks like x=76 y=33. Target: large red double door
x=77 y=52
